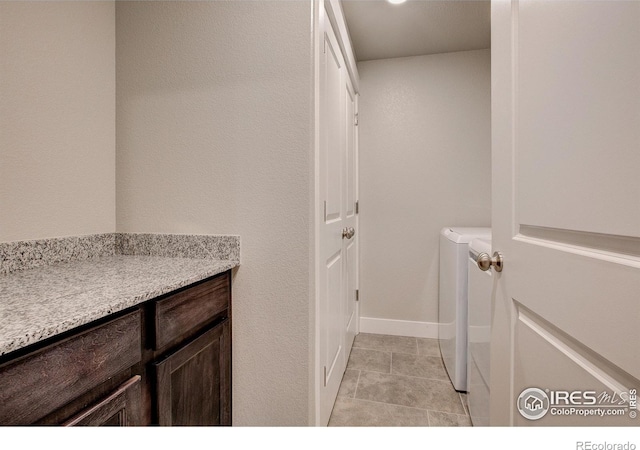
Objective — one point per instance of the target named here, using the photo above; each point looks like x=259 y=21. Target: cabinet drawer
x=41 y=382
x=184 y=313
x=121 y=408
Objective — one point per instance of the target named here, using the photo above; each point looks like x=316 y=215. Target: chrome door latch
x=348 y=233
x=485 y=261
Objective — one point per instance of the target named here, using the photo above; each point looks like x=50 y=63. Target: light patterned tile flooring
x=397 y=381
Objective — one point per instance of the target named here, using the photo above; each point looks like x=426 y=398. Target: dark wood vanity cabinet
x=166 y=362
x=192 y=355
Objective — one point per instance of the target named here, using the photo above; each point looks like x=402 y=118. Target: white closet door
x=333 y=217
x=350 y=246
x=338 y=245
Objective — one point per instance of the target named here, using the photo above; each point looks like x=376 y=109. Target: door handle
x=348 y=233
x=485 y=261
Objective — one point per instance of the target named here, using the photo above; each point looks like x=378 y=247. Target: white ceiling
x=381 y=30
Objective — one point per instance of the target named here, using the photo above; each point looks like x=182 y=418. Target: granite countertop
x=39 y=303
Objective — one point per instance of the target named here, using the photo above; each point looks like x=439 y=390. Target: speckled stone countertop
x=41 y=302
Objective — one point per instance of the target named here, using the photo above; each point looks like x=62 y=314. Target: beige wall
x=214 y=134
x=425 y=163
x=57 y=119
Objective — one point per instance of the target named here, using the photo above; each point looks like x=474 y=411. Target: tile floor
x=397 y=381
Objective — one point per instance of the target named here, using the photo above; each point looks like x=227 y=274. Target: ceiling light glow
x=396 y=2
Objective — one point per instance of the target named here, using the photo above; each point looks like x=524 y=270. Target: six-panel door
x=337 y=247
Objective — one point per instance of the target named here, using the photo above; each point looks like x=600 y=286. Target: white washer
x=452 y=311
x=479 y=334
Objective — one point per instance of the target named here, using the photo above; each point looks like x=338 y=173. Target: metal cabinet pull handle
x=485 y=261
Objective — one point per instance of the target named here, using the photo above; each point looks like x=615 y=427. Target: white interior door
x=337 y=240
x=351 y=244
x=566 y=212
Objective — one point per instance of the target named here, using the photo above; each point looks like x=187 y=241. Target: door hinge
x=325 y=376
x=357 y=206
x=325 y=210
x=324 y=47
x=357 y=295
x=356 y=120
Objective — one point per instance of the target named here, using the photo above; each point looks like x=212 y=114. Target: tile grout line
x=412 y=376
x=402 y=353
x=408 y=376
x=409 y=407
x=404 y=375
x=357 y=382
x=464 y=407
x=396 y=351
x=432 y=355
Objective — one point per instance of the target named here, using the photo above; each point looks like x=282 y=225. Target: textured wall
x=214 y=135
x=57 y=119
x=425 y=163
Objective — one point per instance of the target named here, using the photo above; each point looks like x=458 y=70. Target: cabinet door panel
x=122 y=408
x=194 y=383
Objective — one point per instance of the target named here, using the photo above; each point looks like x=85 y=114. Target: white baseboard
x=399 y=327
